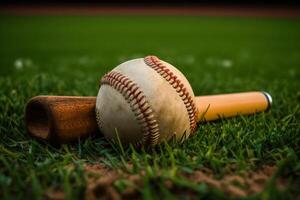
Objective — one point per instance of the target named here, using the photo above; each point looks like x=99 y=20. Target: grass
x=67 y=55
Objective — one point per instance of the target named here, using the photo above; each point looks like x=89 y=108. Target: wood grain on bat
x=61 y=119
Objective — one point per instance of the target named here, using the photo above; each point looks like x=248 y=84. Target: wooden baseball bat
x=61 y=119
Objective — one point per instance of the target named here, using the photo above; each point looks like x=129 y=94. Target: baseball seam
x=138 y=103
x=174 y=81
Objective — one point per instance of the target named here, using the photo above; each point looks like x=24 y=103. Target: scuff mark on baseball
x=145 y=101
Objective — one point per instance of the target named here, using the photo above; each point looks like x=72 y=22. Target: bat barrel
x=61 y=119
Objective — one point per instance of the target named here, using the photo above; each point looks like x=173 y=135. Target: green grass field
x=67 y=55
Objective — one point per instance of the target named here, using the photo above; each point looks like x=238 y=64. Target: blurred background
x=153 y=2
x=288 y=8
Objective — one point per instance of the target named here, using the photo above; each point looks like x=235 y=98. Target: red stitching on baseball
x=138 y=103
x=157 y=65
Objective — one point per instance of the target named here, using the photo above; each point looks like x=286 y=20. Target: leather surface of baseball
x=145 y=101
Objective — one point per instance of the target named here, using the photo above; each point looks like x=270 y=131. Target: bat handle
x=214 y=107
x=61 y=119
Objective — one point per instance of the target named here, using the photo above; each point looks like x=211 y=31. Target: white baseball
x=145 y=101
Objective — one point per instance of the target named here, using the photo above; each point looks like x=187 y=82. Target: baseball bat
x=62 y=119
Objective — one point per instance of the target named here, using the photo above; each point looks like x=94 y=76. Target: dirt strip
x=226 y=11
x=101 y=183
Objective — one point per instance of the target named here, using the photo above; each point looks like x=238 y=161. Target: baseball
x=145 y=101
